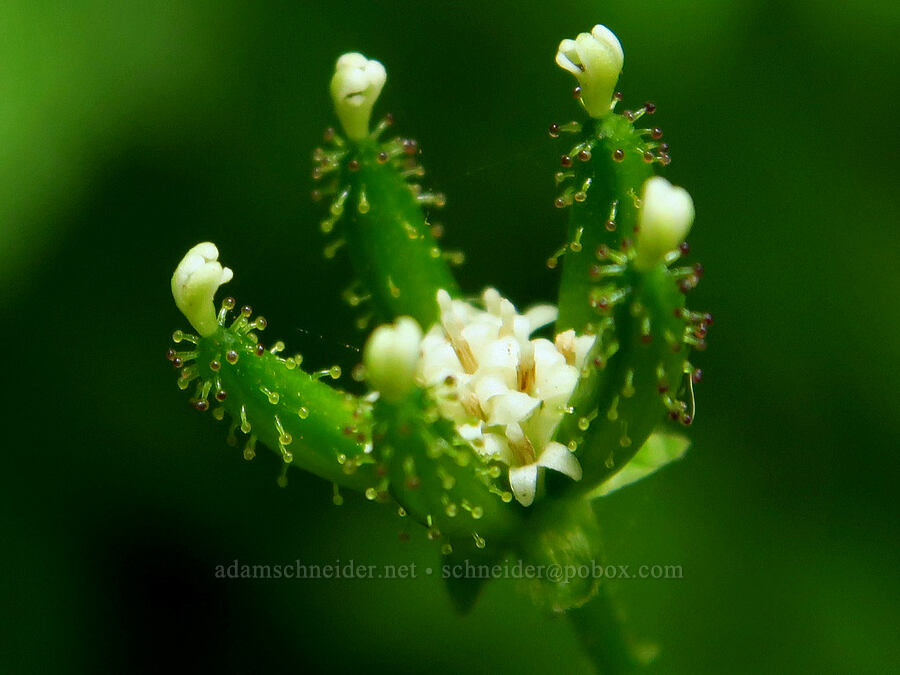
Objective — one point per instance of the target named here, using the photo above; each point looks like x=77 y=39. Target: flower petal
x=541 y=315
x=565 y=55
x=470 y=432
x=523 y=482
x=480 y=335
x=556 y=456
x=491 y=298
x=510 y=407
x=438 y=361
x=496 y=447
x=555 y=380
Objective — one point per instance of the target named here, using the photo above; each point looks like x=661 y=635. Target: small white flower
x=595 y=59
x=391 y=357
x=355 y=87
x=506 y=393
x=665 y=217
x=194 y=285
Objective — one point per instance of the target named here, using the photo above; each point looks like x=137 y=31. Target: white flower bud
x=391 y=357
x=194 y=285
x=595 y=59
x=355 y=87
x=665 y=217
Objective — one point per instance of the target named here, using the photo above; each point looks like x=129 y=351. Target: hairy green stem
x=272 y=400
x=399 y=265
x=636 y=371
x=604 y=171
x=438 y=479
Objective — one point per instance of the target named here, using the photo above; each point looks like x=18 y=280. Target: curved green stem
x=602 y=633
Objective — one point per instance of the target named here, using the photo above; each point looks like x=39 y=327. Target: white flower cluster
x=505 y=392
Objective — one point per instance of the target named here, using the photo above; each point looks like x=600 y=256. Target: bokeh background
x=131 y=131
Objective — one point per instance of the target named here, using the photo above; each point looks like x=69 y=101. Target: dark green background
x=128 y=134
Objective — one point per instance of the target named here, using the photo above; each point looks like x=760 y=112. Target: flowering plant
x=469 y=402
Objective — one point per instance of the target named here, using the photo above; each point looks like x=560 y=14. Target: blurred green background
x=129 y=132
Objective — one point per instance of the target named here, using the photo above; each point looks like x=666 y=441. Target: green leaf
x=661 y=448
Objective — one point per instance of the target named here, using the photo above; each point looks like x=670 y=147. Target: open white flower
x=194 y=285
x=505 y=392
x=595 y=59
x=391 y=357
x=355 y=87
x=665 y=217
